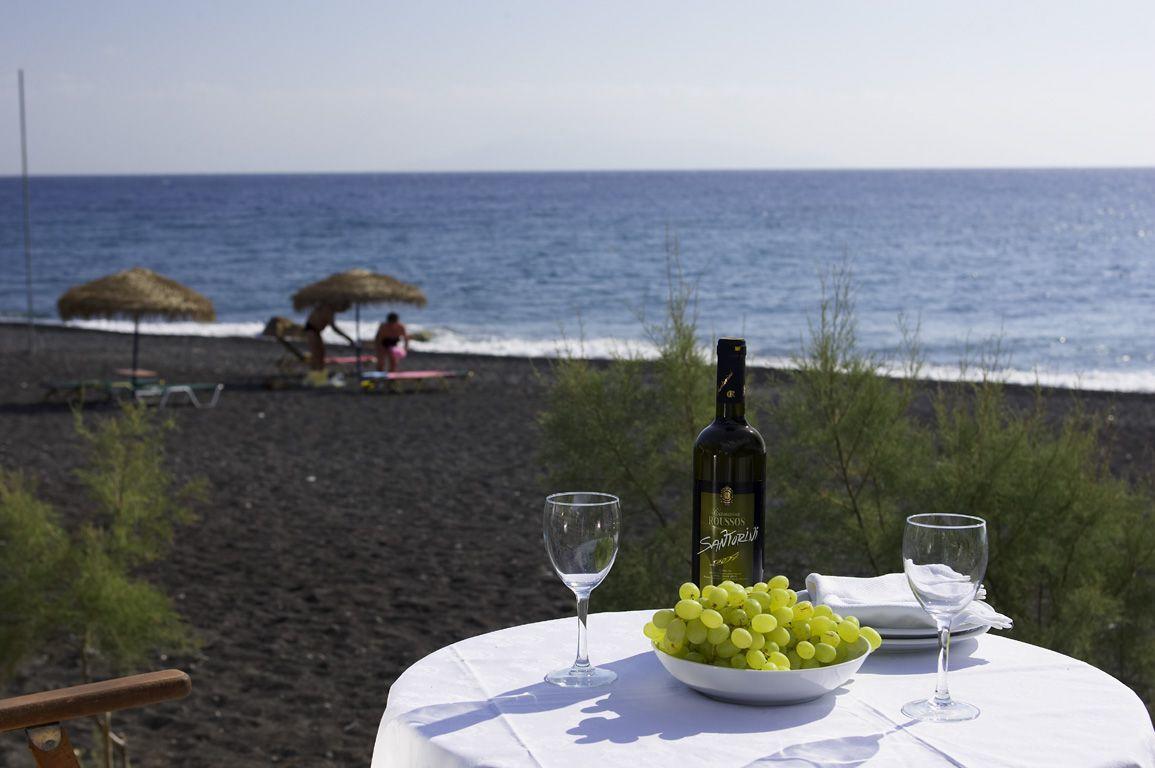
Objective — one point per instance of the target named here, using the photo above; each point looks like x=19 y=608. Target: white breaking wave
x=452 y=341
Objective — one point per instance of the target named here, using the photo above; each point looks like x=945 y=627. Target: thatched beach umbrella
x=135 y=293
x=357 y=287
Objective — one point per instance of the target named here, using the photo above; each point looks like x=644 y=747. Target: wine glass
x=944 y=557
x=581 y=535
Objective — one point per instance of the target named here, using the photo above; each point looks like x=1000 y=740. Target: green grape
x=779 y=635
x=727 y=584
x=711 y=618
x=803 y=610
x=805 y=649
x=702 y=601
x=662 y=618
x=726 y=649
x=820 y=624
x=763 y=623
x=853 y=620
x=755 y=659
x=769 y=648
x=736 y=617
x=696 y=631
x=717 y=634
x=689 y=591
x=840 y=653
x=721 y=663
x=761 y=586
x=831 y=637
x=779 y=660
x=651 y=631
x=824 y=653
x=759 y=641
x=848 y=632
x=741 y=638
x=872 y=637
x=859 y=647
x=784 y=615
x=738 y=661
x=708 y=595
x=676 y=630
x=835 y=618
x=778 y=598
x=810 y=664
x=800 y=630
x=791 y=598
x=669 y=646
x=823 y=610
x=779 y=582
x=763 y=599
x=687 y=609
x=696 y=657
x=795 y=659
x=752 y=608
x=736 y=597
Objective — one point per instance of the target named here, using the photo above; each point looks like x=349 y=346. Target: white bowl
x=750 y=686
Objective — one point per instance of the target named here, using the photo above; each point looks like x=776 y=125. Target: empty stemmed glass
x=944 y=557
x=581 y=535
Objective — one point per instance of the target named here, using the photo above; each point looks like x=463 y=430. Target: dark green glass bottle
x=729 y=483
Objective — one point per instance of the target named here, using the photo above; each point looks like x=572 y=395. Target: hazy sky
x=128 y=87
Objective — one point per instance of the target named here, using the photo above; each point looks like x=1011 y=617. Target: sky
x=522 y=85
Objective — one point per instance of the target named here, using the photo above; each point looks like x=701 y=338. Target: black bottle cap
x=728 y=347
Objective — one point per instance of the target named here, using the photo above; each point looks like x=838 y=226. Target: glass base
x=927 y=711
x=581 y=677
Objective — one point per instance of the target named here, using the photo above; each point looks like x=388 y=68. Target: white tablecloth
x=483 y=702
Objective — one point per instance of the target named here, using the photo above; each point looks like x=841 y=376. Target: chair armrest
x=92 y=699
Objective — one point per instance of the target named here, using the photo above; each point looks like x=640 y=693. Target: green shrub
x=33 y=548
x=80 y=590
x=627 y=427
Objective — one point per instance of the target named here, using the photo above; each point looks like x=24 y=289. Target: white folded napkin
x=886 y=602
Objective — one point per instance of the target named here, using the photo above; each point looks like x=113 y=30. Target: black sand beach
x=346 y=536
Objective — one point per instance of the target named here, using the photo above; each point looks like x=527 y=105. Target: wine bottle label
x=731 y=540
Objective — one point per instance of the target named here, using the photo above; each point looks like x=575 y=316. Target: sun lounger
x=162 y=393
x=375 y=381
x=80 y=389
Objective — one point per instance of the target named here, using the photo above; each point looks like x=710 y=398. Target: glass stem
x=582 y=661
x=941 y=692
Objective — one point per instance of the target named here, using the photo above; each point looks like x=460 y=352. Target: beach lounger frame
x=162 y=393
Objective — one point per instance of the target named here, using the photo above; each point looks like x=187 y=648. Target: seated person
x=323 y=316
x=388 y=343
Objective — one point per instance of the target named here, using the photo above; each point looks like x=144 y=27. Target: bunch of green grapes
x=764 y=627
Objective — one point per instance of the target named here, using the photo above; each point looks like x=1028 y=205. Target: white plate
x=916 y=639
x=749 y=686
x=903 y=644
x=921 y=632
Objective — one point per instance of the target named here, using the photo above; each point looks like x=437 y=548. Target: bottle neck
x=730 y=412
x=730 y=402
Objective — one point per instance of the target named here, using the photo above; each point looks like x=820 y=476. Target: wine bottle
x=729 y=482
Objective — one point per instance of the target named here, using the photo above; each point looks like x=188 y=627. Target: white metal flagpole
x=27 y=215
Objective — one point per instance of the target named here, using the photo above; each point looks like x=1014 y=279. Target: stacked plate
x=898 y=640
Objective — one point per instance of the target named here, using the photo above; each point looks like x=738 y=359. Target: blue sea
x=1057 y=265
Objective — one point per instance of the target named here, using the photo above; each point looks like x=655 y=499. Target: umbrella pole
x=357 y=336
x=135 y=347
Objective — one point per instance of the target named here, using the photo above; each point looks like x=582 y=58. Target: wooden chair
x=42 y=715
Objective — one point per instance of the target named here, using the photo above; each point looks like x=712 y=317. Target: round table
x=483 y=702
